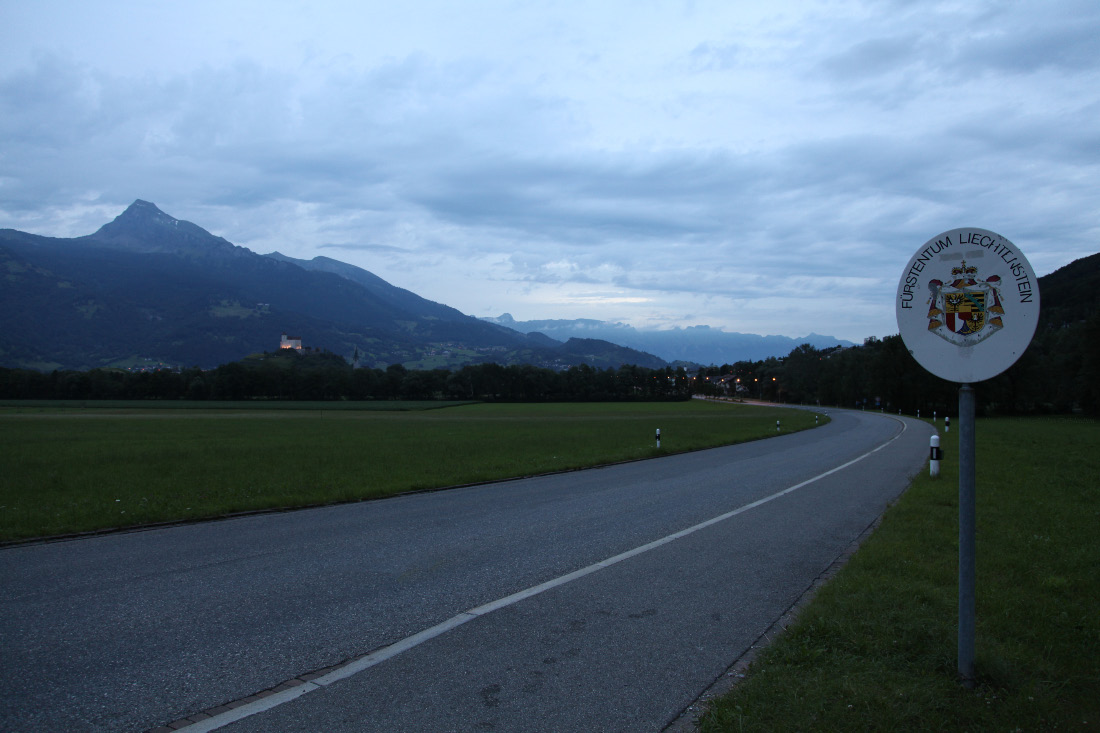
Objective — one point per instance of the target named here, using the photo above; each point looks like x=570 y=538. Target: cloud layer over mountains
x=762 y=169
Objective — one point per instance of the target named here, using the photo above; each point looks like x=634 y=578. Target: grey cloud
x=930 y=117
x=874 y=57
x=1060 y=36
x=32 y=100
x=709 y=57
x=244 y=122
x=269 y=140
x=928 y=51
x=383 y=248
x=594 y=198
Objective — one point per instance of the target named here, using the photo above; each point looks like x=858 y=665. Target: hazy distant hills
x=1068 y=295
x=148 y=287
x=698 y=344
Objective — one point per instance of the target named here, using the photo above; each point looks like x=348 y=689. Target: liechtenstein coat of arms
x=978 y=317
x=967 y=310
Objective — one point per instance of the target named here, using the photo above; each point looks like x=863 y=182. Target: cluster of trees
x=1059 y=373
x=287 y=375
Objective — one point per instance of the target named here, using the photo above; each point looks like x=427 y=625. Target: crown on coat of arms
x=964 y=270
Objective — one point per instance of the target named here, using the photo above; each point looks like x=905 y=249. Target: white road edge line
x=388 y=652
x=232 y=716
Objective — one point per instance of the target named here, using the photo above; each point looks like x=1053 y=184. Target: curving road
x=600 y=600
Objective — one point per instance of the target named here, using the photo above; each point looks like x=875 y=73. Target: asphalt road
x=132 y=631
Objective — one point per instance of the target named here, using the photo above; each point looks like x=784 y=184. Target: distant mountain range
x=148 y=288
x=695 y=344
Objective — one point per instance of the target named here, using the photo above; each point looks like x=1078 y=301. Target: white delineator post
x=934 y=456
x=658 y=437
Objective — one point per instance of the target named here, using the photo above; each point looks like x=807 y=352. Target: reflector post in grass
x=935 y=455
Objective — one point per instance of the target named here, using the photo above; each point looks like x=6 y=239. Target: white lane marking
x=232 y=716
x=389 y=652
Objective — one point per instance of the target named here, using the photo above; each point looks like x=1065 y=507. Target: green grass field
x=876 y=648
x=75 y=469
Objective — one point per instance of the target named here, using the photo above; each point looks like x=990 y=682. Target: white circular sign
x=967 y=305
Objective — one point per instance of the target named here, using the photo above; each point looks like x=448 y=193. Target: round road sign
x=967 y=305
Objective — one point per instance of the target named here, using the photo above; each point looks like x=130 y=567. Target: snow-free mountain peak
x=143 y=227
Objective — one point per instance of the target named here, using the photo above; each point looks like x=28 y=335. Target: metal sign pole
x=967 y=514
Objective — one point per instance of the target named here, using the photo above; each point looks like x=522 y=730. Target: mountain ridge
x=391 y=293
x=149 y=286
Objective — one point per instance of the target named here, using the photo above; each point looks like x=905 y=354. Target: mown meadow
x=71 y=469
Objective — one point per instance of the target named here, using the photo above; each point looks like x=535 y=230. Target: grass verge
x=876 y=648
x=72 y=470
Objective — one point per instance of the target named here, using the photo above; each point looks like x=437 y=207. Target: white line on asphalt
x=388 y=652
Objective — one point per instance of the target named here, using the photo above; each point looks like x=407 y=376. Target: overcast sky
x=764 y=167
